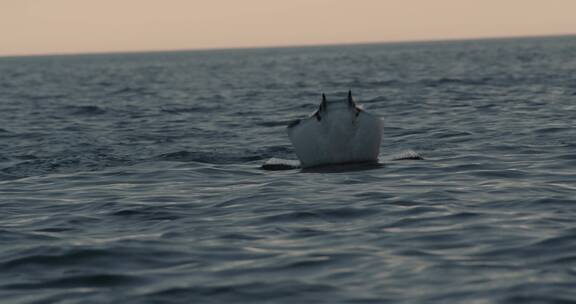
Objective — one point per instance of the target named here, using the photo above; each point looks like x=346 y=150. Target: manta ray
x=337 y=133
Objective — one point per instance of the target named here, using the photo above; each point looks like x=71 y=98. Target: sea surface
x=136 y=178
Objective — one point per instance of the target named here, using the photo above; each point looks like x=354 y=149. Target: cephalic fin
x=351 y=102
x=321 y=108
x=323 y=103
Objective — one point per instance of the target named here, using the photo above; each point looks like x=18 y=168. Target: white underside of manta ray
x=338 y=132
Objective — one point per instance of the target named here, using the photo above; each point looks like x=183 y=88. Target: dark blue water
x=136 y=178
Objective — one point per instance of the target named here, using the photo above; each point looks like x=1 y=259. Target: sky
x=30 y=27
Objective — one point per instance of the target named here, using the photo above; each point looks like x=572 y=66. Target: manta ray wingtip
x=293 y=123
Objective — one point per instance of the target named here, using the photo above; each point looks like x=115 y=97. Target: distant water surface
x=134 y=178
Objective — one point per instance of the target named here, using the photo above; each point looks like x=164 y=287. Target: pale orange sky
x=80 y=26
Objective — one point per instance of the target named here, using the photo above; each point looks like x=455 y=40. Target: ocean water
x=135 y=178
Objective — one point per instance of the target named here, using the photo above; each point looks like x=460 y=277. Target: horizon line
x=288 y=46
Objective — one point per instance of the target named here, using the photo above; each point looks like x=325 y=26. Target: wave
x=82 y=281
x=132 y=91
x=89 y=110
x=214 y=157
x=189 y=109
x=65 y=163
